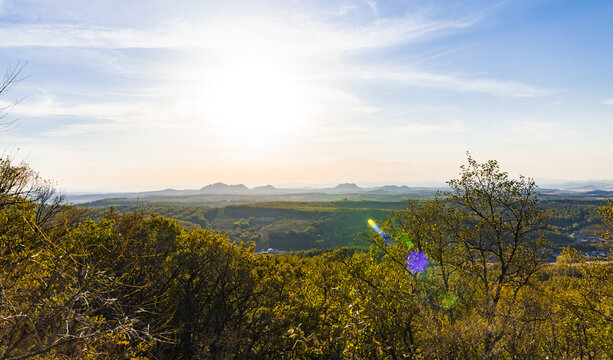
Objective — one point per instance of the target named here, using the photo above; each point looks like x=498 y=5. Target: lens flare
x=417 y=261
x=378 y=230
x=448 y=300
x=407 y=241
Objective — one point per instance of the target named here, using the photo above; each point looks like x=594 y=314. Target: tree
x=499 y=234
x=11 y=76
x=606 y=215
x=62 y=287
x=483 y=240
x=584 y=295
x=218 y=297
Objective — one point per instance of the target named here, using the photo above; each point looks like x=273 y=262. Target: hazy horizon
x=543 y=183
x=153 y=95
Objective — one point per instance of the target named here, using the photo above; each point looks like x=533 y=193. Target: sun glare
x=249 y=99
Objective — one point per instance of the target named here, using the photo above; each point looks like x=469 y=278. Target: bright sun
x=249 y=99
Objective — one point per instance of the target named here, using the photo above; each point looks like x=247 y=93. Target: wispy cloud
x=297 y=37
x=84 y=36
x=372 y=4
x=116 y=114
x=451 y=82
x=371 y=77
x=298 y=33
x=608 y=102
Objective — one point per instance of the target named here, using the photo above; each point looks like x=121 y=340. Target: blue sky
x=126 y=95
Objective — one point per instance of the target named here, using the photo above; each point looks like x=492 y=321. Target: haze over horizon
x=581 y=186
x=153 y=95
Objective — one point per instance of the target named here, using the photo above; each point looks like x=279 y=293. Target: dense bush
x=138 y=285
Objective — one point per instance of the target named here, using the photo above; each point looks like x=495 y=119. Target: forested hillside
x=325 y=225
x=464 y=275
x=283 y=225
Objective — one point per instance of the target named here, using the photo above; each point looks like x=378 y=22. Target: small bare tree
x=10 y=78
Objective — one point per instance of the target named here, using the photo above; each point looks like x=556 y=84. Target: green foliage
x=336 y=223
x=132 y=284
x=606 y=214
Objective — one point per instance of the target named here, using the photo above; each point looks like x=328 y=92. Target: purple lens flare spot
x=417 y=261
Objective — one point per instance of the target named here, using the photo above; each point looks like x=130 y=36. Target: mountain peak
x=347 y=187
x=221 y=188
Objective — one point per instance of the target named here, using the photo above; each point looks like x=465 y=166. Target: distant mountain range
x=345 y=188
x=606 y=185
x=220 y=190
x=240 y=189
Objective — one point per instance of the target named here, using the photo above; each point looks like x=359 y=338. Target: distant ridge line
x=600 y=189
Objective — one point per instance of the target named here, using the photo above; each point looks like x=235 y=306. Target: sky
x=141 y=95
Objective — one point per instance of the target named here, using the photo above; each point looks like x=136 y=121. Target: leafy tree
x=502 y=250
x=221 y=298
x=65 y=282
x=131 y=284
x=606 y=215
x=482 y=239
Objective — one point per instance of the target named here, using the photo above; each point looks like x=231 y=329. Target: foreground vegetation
x=137 y=285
